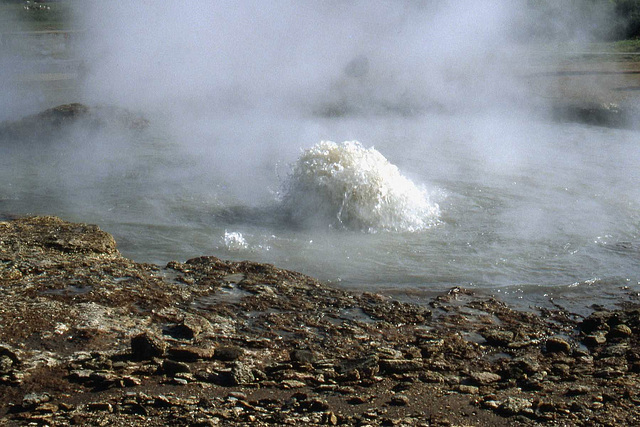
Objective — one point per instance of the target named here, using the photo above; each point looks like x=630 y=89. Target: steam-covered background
x=448 y=91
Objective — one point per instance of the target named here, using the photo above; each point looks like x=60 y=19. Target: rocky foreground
x=88 y=337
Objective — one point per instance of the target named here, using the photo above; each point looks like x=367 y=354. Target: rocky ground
x=88 y=337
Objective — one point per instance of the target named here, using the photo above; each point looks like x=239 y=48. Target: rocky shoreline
x=88 y=337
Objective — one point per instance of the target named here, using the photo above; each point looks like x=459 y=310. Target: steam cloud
x=241 y=82
x=292 y=56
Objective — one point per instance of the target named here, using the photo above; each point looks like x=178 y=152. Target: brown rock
x=146 y=346
x=620 y=331
x=329 y=418
x=498 y=337
x=557 y=345
x=399 y=400
x=100 y=406
x=171 y=367
x=303 y=356
x=228 y=353
x=399 y=366
x=190 y=353
x=595 y=339
x=485 y=378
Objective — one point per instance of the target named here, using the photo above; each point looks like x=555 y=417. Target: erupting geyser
x=347 y=185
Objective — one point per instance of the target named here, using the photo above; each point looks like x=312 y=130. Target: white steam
x=189 y=57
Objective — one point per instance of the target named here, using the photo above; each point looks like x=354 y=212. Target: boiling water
x=510 y=204
x=349 y=186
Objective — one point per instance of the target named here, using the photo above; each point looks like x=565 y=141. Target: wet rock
x=289 y=384
x=10 y=353
x=48 y=407
x=80 y=375
x=557 y=345
x=439 y=366
x=228 y=353
x=597 y=321
x=314 y=405
x=594 y=340
x=181 y=331
x=579 y=390
x=171 y=367
x=162 y=401
x=429 y=345
x=525 y=364
x=237 y=395
x=620 y=331
x=497 y=337
x=357 y=400
x=134 y=408
x=146 y=346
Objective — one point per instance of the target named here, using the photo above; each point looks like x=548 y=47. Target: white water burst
x=235 y=241
x=347 y=185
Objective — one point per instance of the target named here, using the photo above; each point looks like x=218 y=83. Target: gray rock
x=514 y=406
x=303 y=356
x=484 y=378
x=6 y=364
x=31 y=400
x=366 y=367
x=399 y=366
x=241 y=374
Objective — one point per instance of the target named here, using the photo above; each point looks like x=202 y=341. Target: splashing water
x=347 y=185
x=234 y=241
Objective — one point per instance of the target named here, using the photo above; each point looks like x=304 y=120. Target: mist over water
x=235 y=92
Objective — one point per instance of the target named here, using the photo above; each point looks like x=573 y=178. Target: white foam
x=234 y=241
x=347 y=185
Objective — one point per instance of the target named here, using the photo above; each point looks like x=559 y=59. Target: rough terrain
x=88 y=337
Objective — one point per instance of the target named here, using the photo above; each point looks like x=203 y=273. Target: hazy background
x=243 y=83
x=194 y=58
x=233 y=92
